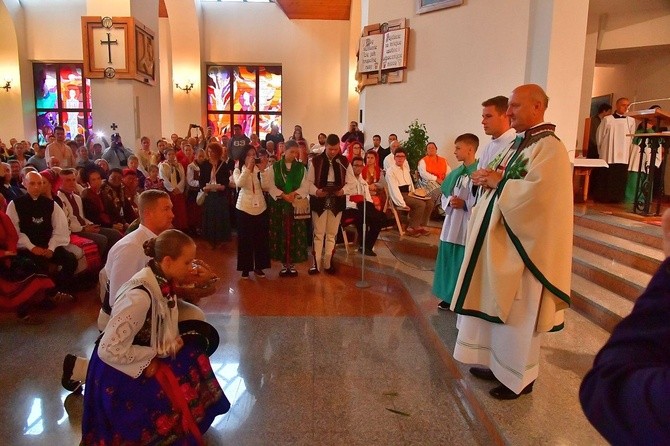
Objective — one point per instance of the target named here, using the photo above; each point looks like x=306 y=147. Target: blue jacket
x=626 y=395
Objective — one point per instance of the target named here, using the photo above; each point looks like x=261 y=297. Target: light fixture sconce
x=187 y=88
x=8 y=85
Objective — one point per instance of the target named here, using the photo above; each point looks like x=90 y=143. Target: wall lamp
x=8 y=85
x=187 y=87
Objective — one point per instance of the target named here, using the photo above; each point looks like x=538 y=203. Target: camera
x=257 y=160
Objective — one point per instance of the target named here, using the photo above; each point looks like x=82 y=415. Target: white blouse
x=250 y=197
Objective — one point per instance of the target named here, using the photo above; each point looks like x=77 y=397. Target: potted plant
x=415 y=145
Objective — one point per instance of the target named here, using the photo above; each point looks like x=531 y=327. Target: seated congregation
x=66 y=205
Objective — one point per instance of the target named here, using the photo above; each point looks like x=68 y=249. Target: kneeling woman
x=145 y=385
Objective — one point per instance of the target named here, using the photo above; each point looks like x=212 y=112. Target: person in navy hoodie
x=625 y=395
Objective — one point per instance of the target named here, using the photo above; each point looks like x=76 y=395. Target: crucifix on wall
x=109 y=42
x=118 y=47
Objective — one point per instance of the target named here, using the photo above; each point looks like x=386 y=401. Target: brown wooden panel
x=162 y=10
x=316 y=9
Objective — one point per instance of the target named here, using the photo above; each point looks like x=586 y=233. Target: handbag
x=301 y=208
x=200 y=198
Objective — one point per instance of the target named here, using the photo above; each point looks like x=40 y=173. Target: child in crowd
x=153 y=182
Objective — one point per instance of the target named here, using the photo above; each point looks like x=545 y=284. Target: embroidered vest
x=35 y=218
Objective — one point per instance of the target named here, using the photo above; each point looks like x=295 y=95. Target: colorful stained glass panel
x=72 y=95
x=46 y=121
x=264 y=122
x=46 y=86
x=218 y=88
x=248 y=123
x=244 y=88
x=219 y=122
x=269 y=79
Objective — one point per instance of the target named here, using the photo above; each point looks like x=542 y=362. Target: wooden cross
x=109 y=42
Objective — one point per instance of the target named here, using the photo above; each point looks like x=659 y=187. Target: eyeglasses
x=400 y=156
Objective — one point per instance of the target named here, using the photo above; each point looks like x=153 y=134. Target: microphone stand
x=363 y=283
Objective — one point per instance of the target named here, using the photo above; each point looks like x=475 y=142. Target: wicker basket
x=205 y=284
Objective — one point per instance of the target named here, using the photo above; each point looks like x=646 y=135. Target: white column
x=556 y=45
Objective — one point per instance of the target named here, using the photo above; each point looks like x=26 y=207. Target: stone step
x=626 y=252
x=625 y=228
x=601 y=306
x=609 y=274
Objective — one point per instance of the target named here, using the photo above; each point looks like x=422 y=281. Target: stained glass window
x=247 y=95
x=62 y=97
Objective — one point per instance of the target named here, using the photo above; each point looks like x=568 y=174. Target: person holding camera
x=253 y=246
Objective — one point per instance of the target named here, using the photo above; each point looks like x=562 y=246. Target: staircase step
x=601 y=306
x=609 y=274
x=639 y=232
x=624 y=251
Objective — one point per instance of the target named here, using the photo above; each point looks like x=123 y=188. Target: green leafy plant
x=415 y=145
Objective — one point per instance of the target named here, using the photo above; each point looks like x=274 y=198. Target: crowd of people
x=282 y=197
x=508 y=204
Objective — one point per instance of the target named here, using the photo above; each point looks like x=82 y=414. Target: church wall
x=183 y=62
x=313 y=53
x=148 y=111
x=11 y=122
x=566 y=47
x=458 y=57
x=54 y=32
x=642 y=78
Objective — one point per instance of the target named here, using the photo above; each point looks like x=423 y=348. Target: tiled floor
x=315 y=360
x=307 y=360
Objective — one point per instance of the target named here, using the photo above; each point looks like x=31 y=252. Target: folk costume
x=515 y=279
x=374 y=219
x=331 y=176
x=451 y=249
x=19 y=287
x=41 y=222
x=288 y=235
x=123 y=406
x=174 y=181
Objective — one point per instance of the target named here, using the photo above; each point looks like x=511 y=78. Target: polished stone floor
x=315 y=360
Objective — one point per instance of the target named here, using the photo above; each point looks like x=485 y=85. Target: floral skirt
x=288 y=236
x=119 y=409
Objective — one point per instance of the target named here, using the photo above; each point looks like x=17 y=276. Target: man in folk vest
x=43 y=231
x=330 y=178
